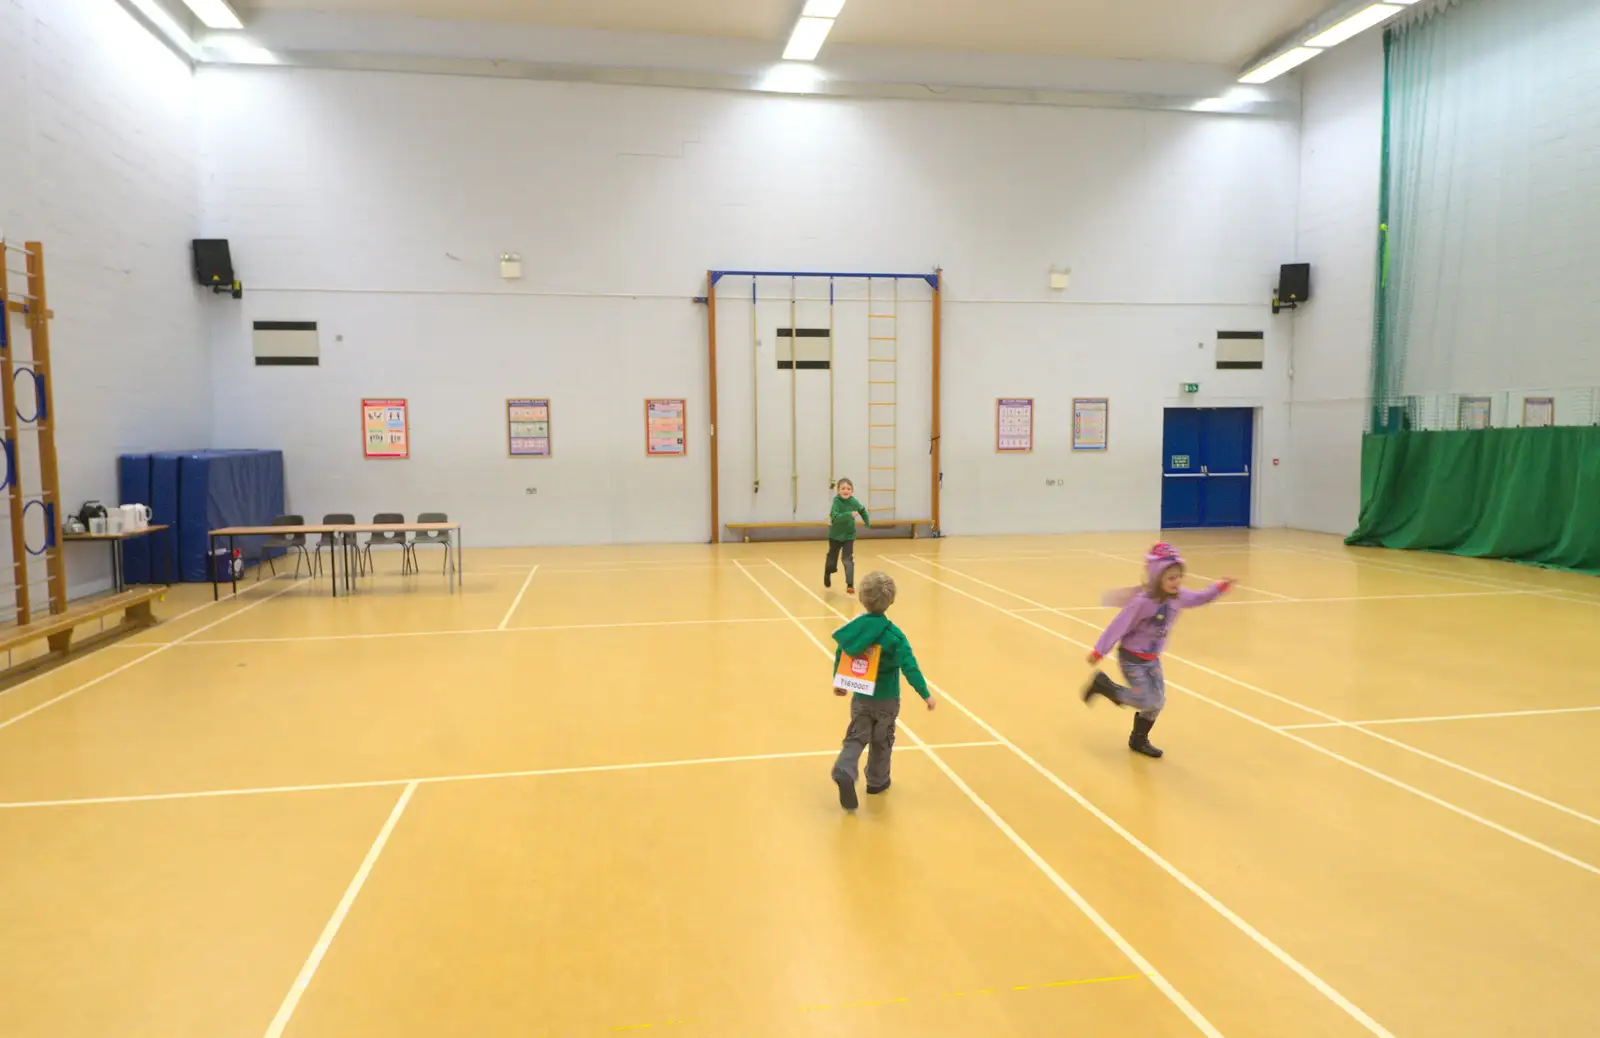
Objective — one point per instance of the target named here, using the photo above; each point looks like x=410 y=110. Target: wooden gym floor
x=590 y=797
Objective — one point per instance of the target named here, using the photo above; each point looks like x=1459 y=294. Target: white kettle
x=135 y=517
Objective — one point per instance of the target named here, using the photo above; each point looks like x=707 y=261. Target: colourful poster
x=386 y=429
x=1013 y=426
x=1473 y=412
x=665 y=428
x=1090 y=423
x=528 y=428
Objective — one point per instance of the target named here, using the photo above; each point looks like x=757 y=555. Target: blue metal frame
x=49 y=525
x=38 y=396
x=717 y=275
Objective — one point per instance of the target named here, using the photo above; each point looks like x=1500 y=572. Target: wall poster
x=1472 y=412
x=665 y=428
x=1091 y=419
x=528 y=428
x=1013 y=425
x=1538 y=411
x=385 y=428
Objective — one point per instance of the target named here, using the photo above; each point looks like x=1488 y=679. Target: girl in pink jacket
x=1139 y=633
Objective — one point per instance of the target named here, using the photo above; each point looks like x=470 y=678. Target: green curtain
x=1532 y=495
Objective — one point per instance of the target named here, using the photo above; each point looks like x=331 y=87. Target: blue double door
x=1205 y=478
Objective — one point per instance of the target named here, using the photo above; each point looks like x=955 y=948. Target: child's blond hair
x=877 y=592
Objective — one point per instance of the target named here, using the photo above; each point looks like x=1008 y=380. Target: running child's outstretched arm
x=913 y=673
x=1190 y=599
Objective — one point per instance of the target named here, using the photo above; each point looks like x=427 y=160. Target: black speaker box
x=213 y=265
x=1294 y=283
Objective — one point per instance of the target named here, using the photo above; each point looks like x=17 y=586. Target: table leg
x=233 y=575
x=211 y=557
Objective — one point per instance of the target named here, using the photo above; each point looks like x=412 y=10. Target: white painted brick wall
x=377 y=204
x=1341 y=144
x=98 y=161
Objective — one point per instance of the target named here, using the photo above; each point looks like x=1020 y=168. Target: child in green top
x=872 y=716
x=842 y=535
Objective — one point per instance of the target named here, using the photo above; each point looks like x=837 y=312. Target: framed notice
x=528 y=428
x=1013 y=425
x=1538 y=411
x=665 y=428
x=1472 y=412
x=385 y=429
x=1090 y=423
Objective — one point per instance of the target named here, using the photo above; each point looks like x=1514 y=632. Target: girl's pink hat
x=1159 y=559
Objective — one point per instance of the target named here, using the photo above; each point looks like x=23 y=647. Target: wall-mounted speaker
x=1294 y=286
x=213 y=264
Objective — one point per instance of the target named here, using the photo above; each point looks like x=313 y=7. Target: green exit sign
x=1191 y=387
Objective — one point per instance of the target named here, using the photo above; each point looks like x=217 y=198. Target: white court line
x=330 y=931
x=518 y=600
x=1281 y=600
x=482 y=776
x=1444 y=717
x=371 y=635
x=1379 y=775
x=156 y=651
x=1504 y=583
x=121 y=644
x=1144 y=965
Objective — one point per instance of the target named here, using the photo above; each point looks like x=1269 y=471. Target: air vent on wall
x=286 y=344
x=804 y=349
x=1241 y=351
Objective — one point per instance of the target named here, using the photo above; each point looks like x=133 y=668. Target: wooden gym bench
x=57 y=628
x=746 y=530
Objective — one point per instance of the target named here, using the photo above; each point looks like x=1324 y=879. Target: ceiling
x=1223 y=32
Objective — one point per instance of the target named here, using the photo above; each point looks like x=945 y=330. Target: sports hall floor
x=590 y=797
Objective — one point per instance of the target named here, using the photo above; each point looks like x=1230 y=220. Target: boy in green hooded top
x=842 y=534
x=873 y=715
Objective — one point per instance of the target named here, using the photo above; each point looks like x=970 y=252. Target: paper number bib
x=858 y=674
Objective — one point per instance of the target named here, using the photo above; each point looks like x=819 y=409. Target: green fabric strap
x=1532 y=495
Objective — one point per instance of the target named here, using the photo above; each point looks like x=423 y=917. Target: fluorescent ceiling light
x=1355 y=25
x=1279 y=65
x=215 y=14
x=806 y=40
x=165 y=24
x=822 y=8
x=791 y=77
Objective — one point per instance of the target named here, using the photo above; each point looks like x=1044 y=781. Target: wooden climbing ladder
x=883 y=398
x=35 y=418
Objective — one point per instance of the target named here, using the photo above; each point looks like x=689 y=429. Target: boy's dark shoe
x=847 y=790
